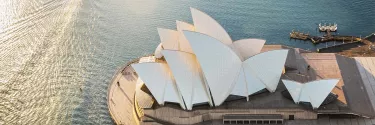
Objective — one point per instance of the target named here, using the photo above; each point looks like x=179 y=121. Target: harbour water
x=57 y=57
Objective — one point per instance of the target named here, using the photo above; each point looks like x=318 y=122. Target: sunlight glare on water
x=50 y=50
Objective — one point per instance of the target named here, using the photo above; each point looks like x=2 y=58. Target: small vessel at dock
x=329 y=27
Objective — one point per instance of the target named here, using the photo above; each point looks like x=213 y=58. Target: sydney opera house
x=199 y=75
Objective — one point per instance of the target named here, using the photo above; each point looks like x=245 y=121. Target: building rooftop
x=322 y=66
x=242 y=76
x=354 y=90
x=359 y=79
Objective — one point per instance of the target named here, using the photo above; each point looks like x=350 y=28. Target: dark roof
x=355 y=91
x=356 y=96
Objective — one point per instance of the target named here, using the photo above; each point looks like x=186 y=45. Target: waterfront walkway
x=121 y=97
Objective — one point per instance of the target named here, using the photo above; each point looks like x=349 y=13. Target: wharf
x=328 y=37
x=363 y=48
x=321 y=39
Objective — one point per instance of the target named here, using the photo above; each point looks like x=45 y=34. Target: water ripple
x=58 y=56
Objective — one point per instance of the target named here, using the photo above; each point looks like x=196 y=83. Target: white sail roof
x=257 y=74
x=188 y=77
x=249 y=47
x=206 y=63
x=207 y=25
x=247 y=84
x=267 y=67
x=220 y=61
x=240 y=88
x=294 y=89
x=254 y=84
x=160 y=82
x=171 y=94
x=158 y=51
x=234 y=49
x=314 y=92
x=183 y=43
x=220 y=65
x=169 y=38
